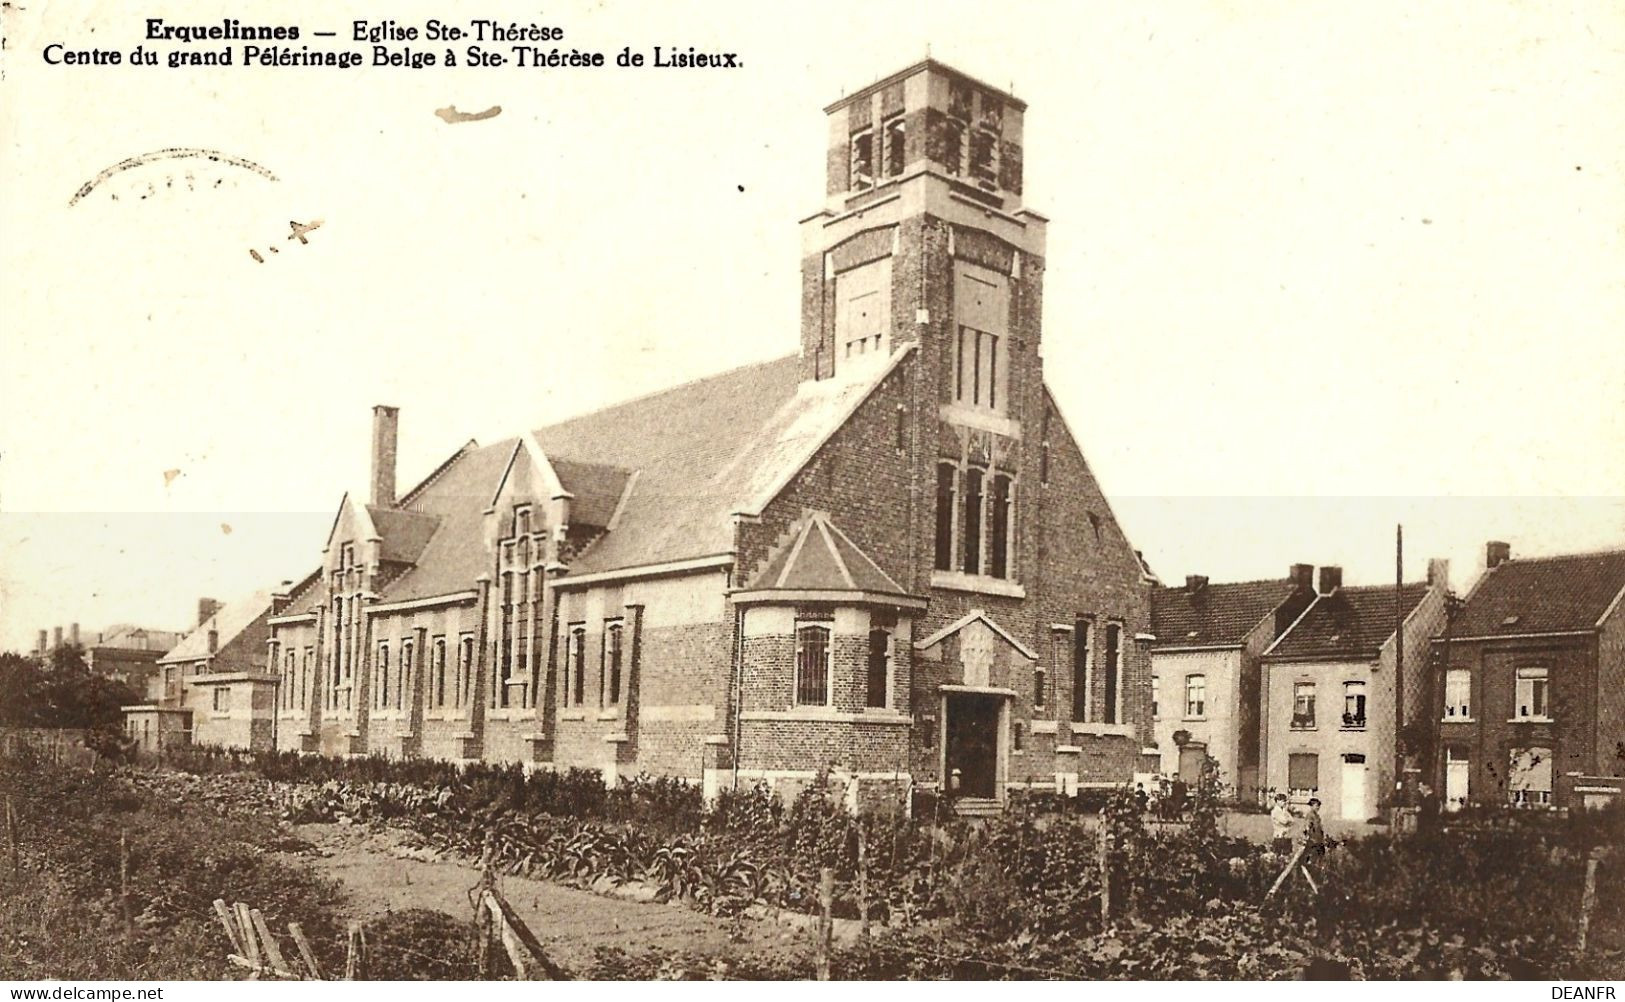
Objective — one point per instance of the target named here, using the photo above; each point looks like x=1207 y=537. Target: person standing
x=1314 y=831
x=1281 y=818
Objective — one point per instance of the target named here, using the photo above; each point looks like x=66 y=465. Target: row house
x=212 y=687
x=884 y=554
x=1336 y=693
x=1205 y=671
x=1529 y=683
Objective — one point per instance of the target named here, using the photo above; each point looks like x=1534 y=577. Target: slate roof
x=1545 y=594
x=228 y=622
x=1352 y=622
x=455 y=554
x=404 y=533
x=596 y=490
x=820 y=557
x=1217 y=614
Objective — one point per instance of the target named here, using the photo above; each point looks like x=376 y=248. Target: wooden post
x=299 y=940
x=355 y=960
x=826 y=921
x=1587 y=901
x=863 y=888
x=1104 y=853
x=230 y=925
x=245 y=925
x=11 y=839
x=124 y=888
x=273 y=953
x=1291 y=864
x=524 y=949
x=482 y=924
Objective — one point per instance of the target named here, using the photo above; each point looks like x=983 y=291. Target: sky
x=1314 y=270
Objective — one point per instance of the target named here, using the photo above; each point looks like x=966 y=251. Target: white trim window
x=380 y=677
x=1195 y=697
x=878 y=688
x=575 y=657
x=1303 y=706
x=1532 y=695
x=812 y=686
x=1529 y=777
x=1458 y=694
x=614 y=655
x=1354 y=693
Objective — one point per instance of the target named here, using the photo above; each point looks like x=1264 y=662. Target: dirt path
x=380 y=875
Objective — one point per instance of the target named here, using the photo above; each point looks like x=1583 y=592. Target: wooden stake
x=355 y=959
x=230 y=924
x=1291 y=864
x=1104 y=853
x=530 y=960
x=124 y=888
x=250 y=941
x=273 y=953
x=863 y=889
x=305 y=951
x=1587 y=901
x=482 y=922
x=826 y=920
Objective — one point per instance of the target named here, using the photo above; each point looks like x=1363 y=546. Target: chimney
x=1496 y=553
x=281 y=597
x=385 y=425
x=73 y=634
x=44 y=639
x=1303 y=576
x=206 y=607
x=1195 y=583
x=56 y=637
x=1331 y=579
x=214 y=641
x=1439 y=573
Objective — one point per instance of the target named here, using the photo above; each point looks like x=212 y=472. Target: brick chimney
x=44 y=638
x=214 y=641
x=385 y=428
x=1303 y=576
x=56 y=637
x=1439 y=573
x=206 y=607
x=1194 y=583
x=73 y=634
x=1331 y=579
x=1496 y=553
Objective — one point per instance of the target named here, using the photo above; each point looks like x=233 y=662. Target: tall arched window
x=1114 y=670
x=614 y=634
x=946 y=475
x=1080 y=670
x=973 y=521
x=380 y=677
x=405 y=675
x=812 y=666
x=999 y=530
x=439 y=684
x=465 y=671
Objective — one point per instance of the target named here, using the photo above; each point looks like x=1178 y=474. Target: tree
x=61 y=692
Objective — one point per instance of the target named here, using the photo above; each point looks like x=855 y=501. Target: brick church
x=883 y=555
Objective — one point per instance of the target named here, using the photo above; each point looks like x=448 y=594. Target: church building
x=883 y=555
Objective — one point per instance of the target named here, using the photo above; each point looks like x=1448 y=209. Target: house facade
x=1529 y=684
x=212 y=688
x=1332 y=700
x=883 y=555
x=1205 y=671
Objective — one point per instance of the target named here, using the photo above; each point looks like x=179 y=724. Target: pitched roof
x=1543 y=595
x=228 y=622
x=1353 y=622
x=595 y=490
x=820 y=557
x=455 y=554
x=1216 y=614
x=702 y=452
x=404 y=533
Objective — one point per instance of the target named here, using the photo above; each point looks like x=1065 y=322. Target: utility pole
x=1399 y=658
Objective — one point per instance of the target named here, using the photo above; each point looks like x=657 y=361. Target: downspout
x=738 y=684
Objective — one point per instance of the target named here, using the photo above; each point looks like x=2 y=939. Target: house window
x=1016 y=736
x=499 y=695
x=893 y=135
x=1196 y=696
x=946 y=475
x=1114 y=669
x=380 y=677
x=304 y=676
x=1354 y=705
x=1040 y=679
x=1303 y=706
x=438 y=695
x=1080 y=670
x=222 y=699
x=1156 y=705
x=879 y=670
x=575 y=661
x=290 y=679
x=973 y=521
x=1303 y=774
x=613 y=636
x=465 y=670
x=863 y=160
x=999 y=555
x=1529 y=777
x=1531 y=701
x=1458 y=694
x=812 y=666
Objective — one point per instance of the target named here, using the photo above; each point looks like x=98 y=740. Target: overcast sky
x=1314 y=269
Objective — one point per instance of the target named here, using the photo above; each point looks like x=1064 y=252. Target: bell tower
x=923 y=239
